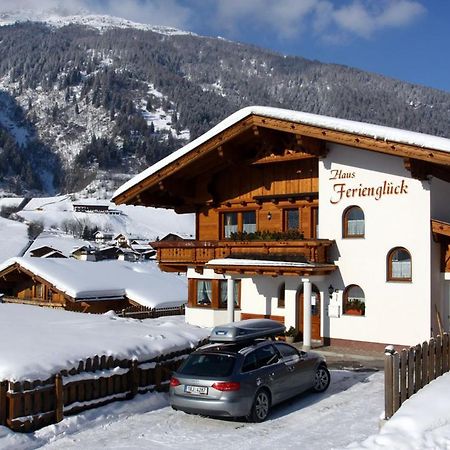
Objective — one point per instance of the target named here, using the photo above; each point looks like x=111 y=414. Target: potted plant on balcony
x=291 y=334
x=355 y=307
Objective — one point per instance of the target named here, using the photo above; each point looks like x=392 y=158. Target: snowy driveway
x=346 y=413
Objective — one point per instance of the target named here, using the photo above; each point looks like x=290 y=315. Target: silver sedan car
x=244 y=379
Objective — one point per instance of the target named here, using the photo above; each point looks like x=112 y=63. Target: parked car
x=241 y=374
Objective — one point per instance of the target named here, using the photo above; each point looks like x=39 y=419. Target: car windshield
x=208 y=365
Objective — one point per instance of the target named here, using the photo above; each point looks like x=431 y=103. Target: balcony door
x=315 y=311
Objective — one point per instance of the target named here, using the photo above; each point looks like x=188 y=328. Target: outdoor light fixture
x=330 y=290
x=269 y=215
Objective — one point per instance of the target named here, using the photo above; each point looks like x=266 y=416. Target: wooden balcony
x=179 y=255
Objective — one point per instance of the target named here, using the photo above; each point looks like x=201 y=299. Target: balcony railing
x=196 y=253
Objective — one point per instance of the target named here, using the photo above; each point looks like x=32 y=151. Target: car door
x=299 y=367
x=272 y=371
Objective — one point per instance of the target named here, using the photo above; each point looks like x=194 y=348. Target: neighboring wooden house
x=93 y=287
x=127 y=254
x=324 y=224
x=55 y=286
x=46 y=252
x=84 y=253
x=102 y=237
x=89 y=207
x=121 y=240
x=110 y=252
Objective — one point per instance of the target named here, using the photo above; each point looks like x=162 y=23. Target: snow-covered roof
x=332 y=123
x=141 y=282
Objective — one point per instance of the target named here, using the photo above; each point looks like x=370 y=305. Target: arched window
x=354 y=303
x=353 y=222
x=281 y=295
x=399 y=265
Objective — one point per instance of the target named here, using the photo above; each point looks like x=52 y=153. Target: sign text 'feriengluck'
x=345 y=190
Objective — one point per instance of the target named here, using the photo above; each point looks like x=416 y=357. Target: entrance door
x=315 y=311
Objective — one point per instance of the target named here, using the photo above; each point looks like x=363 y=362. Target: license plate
x=197 y=390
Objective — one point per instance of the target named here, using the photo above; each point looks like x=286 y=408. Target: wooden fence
x=27 y=406
x=143 y=312
x=410 y=370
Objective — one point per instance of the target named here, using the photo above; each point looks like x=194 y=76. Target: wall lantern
x=269 y=215
x=330 y=290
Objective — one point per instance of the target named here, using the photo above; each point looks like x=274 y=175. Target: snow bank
x=422 y=422
x=38 y=342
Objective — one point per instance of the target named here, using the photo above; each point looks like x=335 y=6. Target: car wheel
x=321 y=379
x=261 y=406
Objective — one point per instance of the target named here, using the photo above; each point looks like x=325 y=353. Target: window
x=399 y=265
x=281 y=295
x=204 y=292
x=249 y=221
x=208 y=365
x=39 y=291
x=353 y=222
x=354 y=303
x=291 y=219
x=223 y=293
x=230 y=224
x=286 y=350
x=238 y=222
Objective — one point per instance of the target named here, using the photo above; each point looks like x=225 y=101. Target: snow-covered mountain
x=87 y=101
x=99 y=22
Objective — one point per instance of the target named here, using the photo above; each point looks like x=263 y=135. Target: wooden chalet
x=273 y=192
x=20 y=283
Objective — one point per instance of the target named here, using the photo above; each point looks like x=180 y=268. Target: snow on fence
x=29 y=405
x=410 y=370
x=144 y=312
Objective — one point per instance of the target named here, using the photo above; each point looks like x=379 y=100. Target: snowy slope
x=100 y=22
x=13 y=238
x=135 y=221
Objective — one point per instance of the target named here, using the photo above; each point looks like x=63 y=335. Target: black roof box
x=246 y=330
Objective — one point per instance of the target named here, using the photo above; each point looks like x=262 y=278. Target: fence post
x=3 y=411
x=389 y=381
x=59 y=400
x=134 y=378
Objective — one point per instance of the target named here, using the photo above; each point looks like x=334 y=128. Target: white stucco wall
x=396 y=312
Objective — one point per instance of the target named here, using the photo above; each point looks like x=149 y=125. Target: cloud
x=283 y=19
x=366 y=18
x=290 y=18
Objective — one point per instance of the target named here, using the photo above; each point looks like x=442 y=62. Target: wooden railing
x=407 y=372
x=143 y=312
x=30 y=405
x=183 y=253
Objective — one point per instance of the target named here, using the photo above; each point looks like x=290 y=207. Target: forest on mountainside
x=86 y=97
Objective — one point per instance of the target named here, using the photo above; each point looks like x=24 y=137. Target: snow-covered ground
x=13 y=238
x=38 y=342
x=348 y=411
x=422 y=422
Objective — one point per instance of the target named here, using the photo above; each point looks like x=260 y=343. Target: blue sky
x=404 y=39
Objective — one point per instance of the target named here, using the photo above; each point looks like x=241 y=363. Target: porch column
x=230 y=299
x=306 y=314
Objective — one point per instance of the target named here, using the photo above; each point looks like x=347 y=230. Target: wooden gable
x=189 y=182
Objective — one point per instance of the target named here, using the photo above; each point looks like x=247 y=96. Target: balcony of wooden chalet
x=179 y=255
